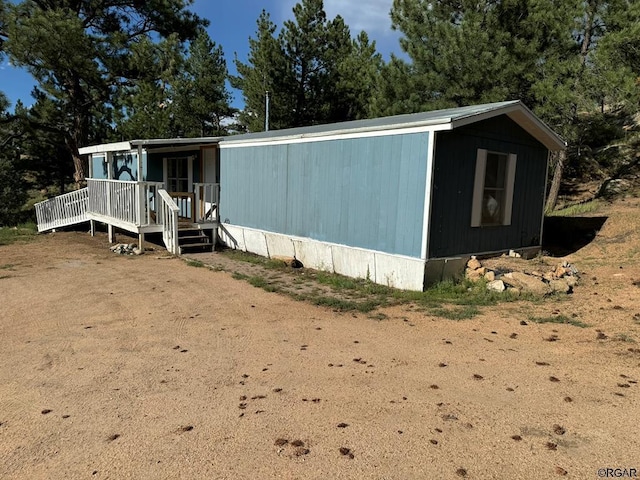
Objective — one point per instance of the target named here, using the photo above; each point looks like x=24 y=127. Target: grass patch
x=623 y=337
x=378 y=316
x=339 y=304
x=559 y=319
x=577 y=209
x=23 y=232
x=195 y=263
x=7 y=266
x=456 y=313
x=263 y=283
x=254 y=259
x=453 y=300
x=239 y=276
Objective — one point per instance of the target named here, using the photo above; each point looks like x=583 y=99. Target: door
x=178 y=179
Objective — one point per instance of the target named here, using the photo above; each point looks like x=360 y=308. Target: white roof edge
x=130 y=145
x=444 y=123
x=538 y=129
x=106 y=147
x=174 y=141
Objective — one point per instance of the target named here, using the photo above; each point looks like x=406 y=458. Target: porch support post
x=92 y=227
x=112 y=235
x=140 y=175
x=109 y=157
x=141 y=240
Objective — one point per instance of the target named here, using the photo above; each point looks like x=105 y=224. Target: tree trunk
x=560 y=160
x=79 y=175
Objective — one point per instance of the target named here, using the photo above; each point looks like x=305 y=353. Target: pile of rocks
x=560 y=279
x=126 y=249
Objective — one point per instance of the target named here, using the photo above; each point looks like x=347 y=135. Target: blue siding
x=363 y=192
x=125 y=166
x=98 y=166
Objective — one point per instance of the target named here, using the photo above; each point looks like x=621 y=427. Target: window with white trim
x=493 y=188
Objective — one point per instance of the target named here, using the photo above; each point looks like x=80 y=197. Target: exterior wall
x=366 y=193
x=155 y=166
x=124 y=166
x=392 y=270
x=451 y=233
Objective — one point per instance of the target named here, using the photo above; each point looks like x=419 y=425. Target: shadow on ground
x=565 y=235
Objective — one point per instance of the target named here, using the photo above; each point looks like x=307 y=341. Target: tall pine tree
x=313 y=71
x=78 y=50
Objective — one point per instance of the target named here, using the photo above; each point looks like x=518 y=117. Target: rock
x=292 y=262
x=526 y=282
x=496 y=285
x=571 y=280
x=615 y=188
x=481 y=271
x=559 y=286
x=560 y=271
x=474 y=264
x=472 y=275
x=137 y=251
x=490 y=276
x=514 y=254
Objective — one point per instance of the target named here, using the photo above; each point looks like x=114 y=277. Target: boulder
x=496 y=285
x=474 y=263
x=526 y=282
x=490 y=276
x=472 y=275
x=559 y=286
x=571 y=280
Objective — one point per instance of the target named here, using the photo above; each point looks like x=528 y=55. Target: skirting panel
x=386 y=269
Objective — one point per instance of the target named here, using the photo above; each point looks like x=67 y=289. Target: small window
x=493 y=189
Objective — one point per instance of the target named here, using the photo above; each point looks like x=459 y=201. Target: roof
x=149 y=144
x=446 y=119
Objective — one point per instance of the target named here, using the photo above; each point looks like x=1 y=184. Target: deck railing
x=62 y=210
x=132 y=203
x=168 y=217
x=207 y=199
x=185 y=203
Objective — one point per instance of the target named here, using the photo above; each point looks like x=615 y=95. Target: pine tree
x=265 y=73
x=314 y=71
x=78 y=52
x=145 y=107
x=201 y=98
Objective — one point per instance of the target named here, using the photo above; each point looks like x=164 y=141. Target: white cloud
x=371 y=15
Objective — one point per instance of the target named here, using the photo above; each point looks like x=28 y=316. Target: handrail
x=63 y=210
x=207 y=199
x=126 y=201
x=168 y=211
x=186 y=204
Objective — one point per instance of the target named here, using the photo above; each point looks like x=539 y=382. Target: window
x=493 y=189
x=178 y=174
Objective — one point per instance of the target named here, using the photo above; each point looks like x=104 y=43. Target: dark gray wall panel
x=450 y=231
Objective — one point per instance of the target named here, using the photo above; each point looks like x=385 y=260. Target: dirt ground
x=120 y=367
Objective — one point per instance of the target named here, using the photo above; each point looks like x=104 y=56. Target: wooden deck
x=136 y=207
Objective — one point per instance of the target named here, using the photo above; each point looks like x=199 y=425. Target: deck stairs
x=191 y=239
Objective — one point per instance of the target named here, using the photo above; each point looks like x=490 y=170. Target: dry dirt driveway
x=140 y=367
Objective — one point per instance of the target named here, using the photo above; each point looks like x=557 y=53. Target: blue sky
x=234 y=21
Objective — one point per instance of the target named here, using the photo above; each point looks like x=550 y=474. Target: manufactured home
x=400 y=200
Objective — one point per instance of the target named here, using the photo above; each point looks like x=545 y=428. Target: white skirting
x=396 y=271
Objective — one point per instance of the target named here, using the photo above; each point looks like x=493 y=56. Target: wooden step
x=193 y=239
